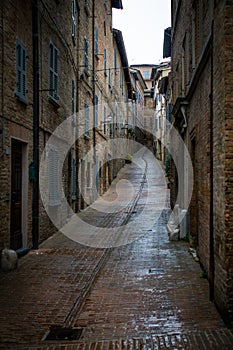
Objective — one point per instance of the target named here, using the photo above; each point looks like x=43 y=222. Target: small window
x=109 y=78
x=96 y=41
x=21 y=71
x=105 y=61
x=53 y=174
x=53 y=72
x=73 y=98
x=121 y=78
x=146 y=74
x=74 y=10
x=73 y=179
x=85 y=2
x=96 y=111
x=86 y=53
x=105 y=120
x=115 y=61
x=86 y=119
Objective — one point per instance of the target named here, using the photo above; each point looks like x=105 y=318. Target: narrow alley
x=143 y=292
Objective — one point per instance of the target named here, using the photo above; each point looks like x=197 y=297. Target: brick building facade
x=202 y=74
x=80 y=64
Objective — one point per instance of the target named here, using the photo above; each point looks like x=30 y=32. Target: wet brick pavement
x=146 y=295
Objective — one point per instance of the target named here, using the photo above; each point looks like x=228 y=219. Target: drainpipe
x=2 y=77
x=35 y=197
x=211 y=247
x=93 y=95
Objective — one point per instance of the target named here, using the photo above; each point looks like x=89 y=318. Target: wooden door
x=16 y=196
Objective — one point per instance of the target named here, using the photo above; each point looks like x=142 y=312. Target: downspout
x=93 y=95
x=2 y=77
x=211 y=223
x=35 y=197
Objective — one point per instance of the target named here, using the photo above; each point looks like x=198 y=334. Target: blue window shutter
x=73 y=97
x=85 y=53
x=105 y=61
x=115 y=60
x=96 y=41
x=73 y=179
x=86 y=119
x=96 y=111
x=21 y=78
x=74 y=10
x=105 y=120
x=53 y=72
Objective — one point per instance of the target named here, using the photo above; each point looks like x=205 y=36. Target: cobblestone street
x=147 y=294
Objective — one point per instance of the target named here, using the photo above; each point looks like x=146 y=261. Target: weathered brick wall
x=18 y=116
x=198 y=140
x=223 y=199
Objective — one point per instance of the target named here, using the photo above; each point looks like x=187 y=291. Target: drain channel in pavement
x=63 y=333
x=156 y=271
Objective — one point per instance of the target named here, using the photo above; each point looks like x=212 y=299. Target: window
x=74 y=21
x=73 y=179
x=73 y=98
x=88 y=174
x=105 y=61
x=85 y=2
x=96 y=41
x=53 y=72
x=146 y=74
x=21 y=71
x=121 y=78
x=116 y=117
x=115 y=61
x=86 y=119
x=85 y=53
x=53 y=173
x=109 y=78
x=96 y=111
x=105 y=120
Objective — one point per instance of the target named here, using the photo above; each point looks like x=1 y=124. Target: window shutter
x=21 y=88
x=85 y=53
x=96 y=111
x=96 y=41
x=73 y=179
x=72 y=98
x=109 y=78
x=74 y=20
x=115 y=60
x=53 y=72
x=105 y=61
x=86 y=119
x=53 y=177
x=105 y=117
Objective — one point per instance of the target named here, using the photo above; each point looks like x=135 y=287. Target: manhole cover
x=63 y=333
x=156 y=271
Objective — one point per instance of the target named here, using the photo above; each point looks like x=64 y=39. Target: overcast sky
x=142 y=24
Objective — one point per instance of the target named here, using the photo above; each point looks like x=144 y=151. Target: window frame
x=53 y=72
x=86 y=53
x=21 y=72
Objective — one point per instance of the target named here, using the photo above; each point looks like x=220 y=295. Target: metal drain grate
x=156 y=271
x=63 y=333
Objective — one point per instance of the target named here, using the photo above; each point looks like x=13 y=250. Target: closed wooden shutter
x=21 y=71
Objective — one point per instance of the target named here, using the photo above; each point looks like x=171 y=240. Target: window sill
x=54 y=101
x=21 y=99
